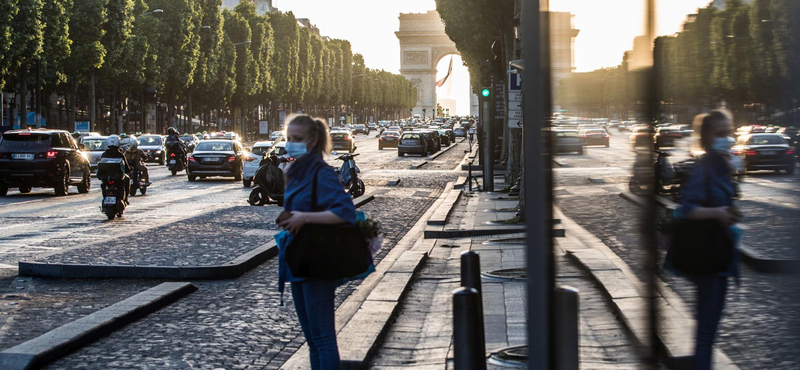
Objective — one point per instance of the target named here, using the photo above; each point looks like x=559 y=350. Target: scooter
x=112 y=187
x=269 y=181
x=175 y=163
x=138 y=183
x=348 y=175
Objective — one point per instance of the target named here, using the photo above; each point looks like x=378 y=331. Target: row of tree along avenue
x=745 y=56
x=98 y=60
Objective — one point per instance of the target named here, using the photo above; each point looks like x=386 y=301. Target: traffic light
x=486 y=79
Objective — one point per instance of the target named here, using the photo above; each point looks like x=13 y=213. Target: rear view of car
x=765 y=152
x=597 y=136
x=217 y=158
x=568 y=141
x=388 y=139
x=342 y=140
x=412 y=143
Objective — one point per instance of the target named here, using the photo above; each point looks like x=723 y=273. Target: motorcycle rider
x=174 y=143
x=136 y=158
x=114 y=151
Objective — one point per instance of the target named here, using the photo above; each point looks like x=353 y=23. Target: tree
x=284 y=61
x=118 y=30
x=305 y=65
x=237 y=28
x=88 y=53
x=27 y=32
x=56 y=46
x=8 y=11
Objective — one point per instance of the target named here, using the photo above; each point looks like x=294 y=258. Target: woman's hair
x=316 y=128
x=709 y=123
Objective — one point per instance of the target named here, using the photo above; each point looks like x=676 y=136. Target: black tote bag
x=327 y=251
x=701 y=247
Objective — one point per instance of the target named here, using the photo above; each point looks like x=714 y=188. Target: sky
x=606 y=31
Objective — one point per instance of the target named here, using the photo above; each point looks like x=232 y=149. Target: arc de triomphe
x=423 y=43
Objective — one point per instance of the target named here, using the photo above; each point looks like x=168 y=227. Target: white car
x=253 y=159
x=277 y=134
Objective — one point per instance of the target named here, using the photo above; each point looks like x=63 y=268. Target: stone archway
x=423 y=43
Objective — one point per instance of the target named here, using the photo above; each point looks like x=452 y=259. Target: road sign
x=515 y=123
x=82 y=126
x=263 y=127
x=514 y=114
x=514 y=82
x=514 y=96
x=514 y=105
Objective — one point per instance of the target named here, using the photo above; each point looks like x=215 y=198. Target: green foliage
x=176 y=42
x=238 y=30
x=285 y=59
x=27 y=37
x=56 y=45
x=8 y=10
x=86 y=32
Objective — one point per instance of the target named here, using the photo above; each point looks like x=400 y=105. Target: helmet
x=206 y=137
x=134 y=144
x=113 y=140
x=171 y=130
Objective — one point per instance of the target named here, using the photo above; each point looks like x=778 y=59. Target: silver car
x=94 y=146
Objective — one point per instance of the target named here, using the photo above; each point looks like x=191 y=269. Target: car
x=227 y=136
x=275 y=135
x=343 y=140
x=79 y=135
x=388 y=139
x=771 y=129
x=460 y=132
x=94 y=146
x=42 y=158
x=190 y=141
x=372 y=126
x=217 y=157
x=437 y=140
x=394 y=128
x=445 y=137
x=153 y=148
x=684 y=130
x=639 y=136
x=752 y=129
x=360 y=129
x=595 y=136
x=666 y=136
x=253 y=159
x=414 y=143
x=765 y=152
x=568 y=141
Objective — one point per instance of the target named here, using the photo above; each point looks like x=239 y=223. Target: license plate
x=211 y=160
x=26 y=157
x=172 y=161
x=110 y=200
x=769 y=152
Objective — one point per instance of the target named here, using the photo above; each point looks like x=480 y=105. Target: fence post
x=565 y=330
x=469 y=351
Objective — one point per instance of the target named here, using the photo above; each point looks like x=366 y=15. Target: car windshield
x=214 y=147
x=567 y=134
x=259 y=150
x=766 y=140
x=95 y=145
x=25 y=141
x=150 y=140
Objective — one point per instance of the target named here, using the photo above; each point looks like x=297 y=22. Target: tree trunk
x=171 y=110
x=71 y=96
x=190 y=113
x=23 y=97
x=92 y=102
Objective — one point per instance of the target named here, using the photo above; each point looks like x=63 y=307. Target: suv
x=360 y=129
x=42 y=158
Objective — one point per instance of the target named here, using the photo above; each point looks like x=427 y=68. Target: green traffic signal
x=485 y=92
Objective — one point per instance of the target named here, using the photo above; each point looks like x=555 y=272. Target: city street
x=761 y=312
x=184 y=224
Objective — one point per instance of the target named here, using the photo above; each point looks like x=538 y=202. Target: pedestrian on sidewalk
x=307 y=140
x=708 y=193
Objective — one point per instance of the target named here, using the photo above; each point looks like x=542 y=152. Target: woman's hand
x=725 y=216
x=295 y=223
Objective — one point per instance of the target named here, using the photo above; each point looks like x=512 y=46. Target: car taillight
x=51 y=154
x=171 y=154
x=191 y=159
x=790 y=151
x=750 y=152
x=231 y=159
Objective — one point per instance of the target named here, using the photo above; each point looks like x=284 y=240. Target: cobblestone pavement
x=759 y=329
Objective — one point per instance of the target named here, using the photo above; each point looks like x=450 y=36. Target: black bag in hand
x=327 y=251
x=700 y=247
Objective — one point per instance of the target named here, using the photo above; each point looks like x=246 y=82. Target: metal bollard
x=565 y=332
x=471 y=270
x=469 y=350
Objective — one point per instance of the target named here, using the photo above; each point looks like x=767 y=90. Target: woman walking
x=313 y=298
x=708 y=193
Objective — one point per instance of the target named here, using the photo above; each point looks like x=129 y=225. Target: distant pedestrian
x=708 y=256
x=471 y=135
x=307 y=140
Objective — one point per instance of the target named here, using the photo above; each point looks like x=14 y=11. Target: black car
x=224 y=158
x=765 y=152
x=343 y=140
x=388 y=139
x=360 y=129
x=444 y=137
x=414 y=143
x=153 y=148
x=437 y=139
x=42 y=158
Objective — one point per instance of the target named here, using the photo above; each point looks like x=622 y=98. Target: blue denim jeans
x=711 y=291
x=313 y=301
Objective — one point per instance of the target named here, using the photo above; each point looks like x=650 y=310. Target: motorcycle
x=112 y=186
x=348 y=175
x=175 y=163
x=138 y=183
x=269 y=181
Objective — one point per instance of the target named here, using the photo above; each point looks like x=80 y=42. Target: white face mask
x=722 y=145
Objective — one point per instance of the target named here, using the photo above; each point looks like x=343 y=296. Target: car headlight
x=158 y=152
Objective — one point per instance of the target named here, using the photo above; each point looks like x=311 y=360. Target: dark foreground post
x=565 y=330
x=468 y=347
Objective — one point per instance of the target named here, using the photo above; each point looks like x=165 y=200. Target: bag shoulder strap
x=314 y=205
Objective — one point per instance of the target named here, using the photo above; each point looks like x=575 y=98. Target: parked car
x=223 y=158
x=42 y=158
x=595 y=136
x=568 y=141
x=343 y=140
x=765 y=152
x=388 y=139
x=414 y=143
x=153 y=147
x=444 y=137
x=436 y=139
x=94 y=146
x=360 y=129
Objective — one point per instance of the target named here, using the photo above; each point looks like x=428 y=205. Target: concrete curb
x=460 y=183
x=365 y=316
x=497 y=168
x=418 y=165
x=457 y=234
x=68 y=338
x=751 y=257
x=443 y=212
x=441 y=152
x=628 y=297
x=229 y=270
